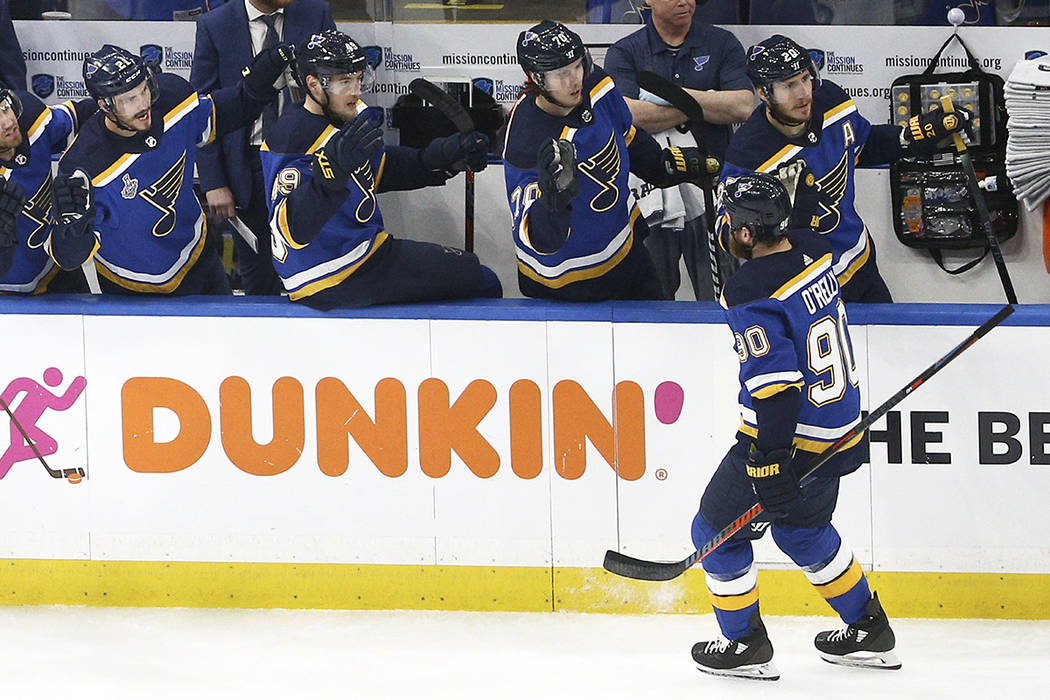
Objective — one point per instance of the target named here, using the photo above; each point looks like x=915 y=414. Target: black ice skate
x=867 y=643
x=748 y=657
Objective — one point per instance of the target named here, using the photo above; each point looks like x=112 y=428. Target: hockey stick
x=460 y=118
x=682 y=101
x=641 y=569
x=982 y=206
x=53 y=473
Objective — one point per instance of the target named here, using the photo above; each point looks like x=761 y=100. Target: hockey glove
x=266 y=68
x=801 y=185
x=71 y=198
x=773 y=481
x=685 y=164
x=347 y=150
x=12 y=199
x=929 y=128
x=456 y=153
x=556 y=163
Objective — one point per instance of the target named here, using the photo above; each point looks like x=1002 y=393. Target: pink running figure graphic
x=29 y=441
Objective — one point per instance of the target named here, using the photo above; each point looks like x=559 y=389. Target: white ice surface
x=71 y=652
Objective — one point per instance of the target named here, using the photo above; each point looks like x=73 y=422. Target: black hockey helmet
x=548 y=46
x=112 y=71
x=778 y=58
x=332 y=53
x=760 y=202
x=9 y=100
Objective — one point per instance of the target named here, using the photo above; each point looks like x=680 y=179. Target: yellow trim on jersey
x=586 y=273
x=773 y=389
x=826 y=259
x=321 y=140
x=599 y=90
x=175 y=114
x=118 y=165
x=804 y=444
x=284 y=228
x=213 y=130
x=858 y=262
x=48 y=278
x=72 y=110
x=734 y=602
x=567 y=133
x=630 y=135
x=379 y=174
x=34 y=131
x=837 y=110
x=849 y=578
x=171 y=284
x=780 y=155
x=327 y=282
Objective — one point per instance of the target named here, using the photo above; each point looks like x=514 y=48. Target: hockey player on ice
x=809 y=134
x=799 y=393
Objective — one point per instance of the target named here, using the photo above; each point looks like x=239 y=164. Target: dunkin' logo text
x=446 y=424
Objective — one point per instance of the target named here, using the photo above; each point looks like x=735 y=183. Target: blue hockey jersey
x=320 y=237
x=605 y=220
x=789 y=326
x=149 y=225
x=45 y=131
x=831 y=148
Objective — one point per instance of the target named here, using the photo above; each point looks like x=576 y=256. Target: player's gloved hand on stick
x=556 y=163
x=347 y=150
x=929 y=128
x=12 y=199
x=457 y=152
x=264 y=70
x=71 y=198
x=774 y=481
x=687 y=164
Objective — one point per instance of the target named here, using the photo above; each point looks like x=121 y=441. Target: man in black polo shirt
x=710 y=64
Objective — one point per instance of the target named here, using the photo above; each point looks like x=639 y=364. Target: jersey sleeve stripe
x=567 y=133
x=280 y=222
x=853 y=259
x=629 y=137
x=38 y=126
x=778 y=378
x=379 y=173
x=210 y=132
x=181 y=110
x=815 y=269
x=774 y=389
x=614 y=251
x=321 y=140
x=601 y=89
x=782 y=155
x=114 y=171
x=838 y=112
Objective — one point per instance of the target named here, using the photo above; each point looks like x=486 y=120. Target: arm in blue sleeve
x=402 y=169
x=647 y=161
x=882 y=147
x=777 y=417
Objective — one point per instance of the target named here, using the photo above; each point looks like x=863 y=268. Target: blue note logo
x=373 y=55
x=43 y=85
x=152 y=55
x=700 y=61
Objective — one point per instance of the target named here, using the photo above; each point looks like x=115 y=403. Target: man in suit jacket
x=230 y=170
x=12 y=65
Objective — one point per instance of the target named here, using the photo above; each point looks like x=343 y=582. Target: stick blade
x=444 y=102
x=641 y=570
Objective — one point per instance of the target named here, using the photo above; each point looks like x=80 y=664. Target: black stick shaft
x=630 y=567
x=981 y=204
